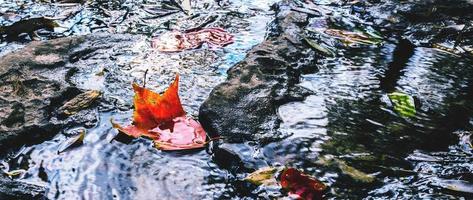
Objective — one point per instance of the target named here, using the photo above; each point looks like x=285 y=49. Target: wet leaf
x=452 y=49
x=80 y=102
x=355 y=173
x=15 y=173
x=301 y=185
x=353 y=37
x=162 y=119
x=176 y=41
x=324 y=50
x=72 y=142
x=456 y=185
x=263 y=176
x=186 y=133
x=403 y=104
x=346 y=169
x=28 y=26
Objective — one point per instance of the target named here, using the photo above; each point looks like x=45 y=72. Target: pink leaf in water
x=176 y=41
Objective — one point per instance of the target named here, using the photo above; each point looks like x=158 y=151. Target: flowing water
x=349 y=118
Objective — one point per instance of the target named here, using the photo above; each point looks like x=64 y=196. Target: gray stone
x=35 y=83
x=243 y=108
x=11 y=189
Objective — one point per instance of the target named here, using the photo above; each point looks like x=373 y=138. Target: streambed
x=348 y=117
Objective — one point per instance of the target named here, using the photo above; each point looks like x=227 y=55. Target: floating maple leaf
x=162 y=118
x=175 y=41
x=301 y=185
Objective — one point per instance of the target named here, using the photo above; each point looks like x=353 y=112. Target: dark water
x=350 y=118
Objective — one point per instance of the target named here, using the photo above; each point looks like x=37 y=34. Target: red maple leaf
x=162 y=119
x=301 y=185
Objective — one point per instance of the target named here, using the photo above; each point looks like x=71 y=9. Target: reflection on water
x=105 y=169
x=352 y=115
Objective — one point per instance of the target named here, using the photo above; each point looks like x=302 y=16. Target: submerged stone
x=244 y=107
x=38 y=99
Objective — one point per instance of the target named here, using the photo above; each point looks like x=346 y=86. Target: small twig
x=144 y=81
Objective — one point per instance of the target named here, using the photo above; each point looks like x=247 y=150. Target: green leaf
x=349 y=37
x=72 y=142
x=263 y=176
x=15 y=173
x=346 y=169
x=403 y=104
x=324 y=50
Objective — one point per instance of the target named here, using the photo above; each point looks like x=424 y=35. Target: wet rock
x=28 y=26
x=10 y=189
x=34 y=84
x=244 y=106
x=237 y=158
x=425 y=23
x=38 y=98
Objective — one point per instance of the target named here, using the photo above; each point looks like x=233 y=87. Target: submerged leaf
x=404 y=104
x=15 y=173
x=354 y=173
x=80 y=102
x=324 y=50
x=72 y=142
x=456 y=185
x=176 y=41
x=185 y=134
x=28 y=26
x=163 y=119
x=263 y=176
x=302 y=185
x=352 y=37
x=346 y=169
x=452 y=49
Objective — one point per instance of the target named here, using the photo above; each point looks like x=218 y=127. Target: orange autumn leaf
x=161 y=117
x=152 y=109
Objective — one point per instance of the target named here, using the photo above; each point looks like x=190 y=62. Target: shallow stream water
x=349 y=117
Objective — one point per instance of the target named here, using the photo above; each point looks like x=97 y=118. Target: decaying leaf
x=162 y=119
x=28 y=26
x=324 y=50
x=176 y=41
x=72 y=142
x=403 y=104
x=263 y=176
x=453 y=50
x=346 y=169
x=80 y=102
x=301 y=185
x=15 y=173
x=456 y=185
x=352 y=37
